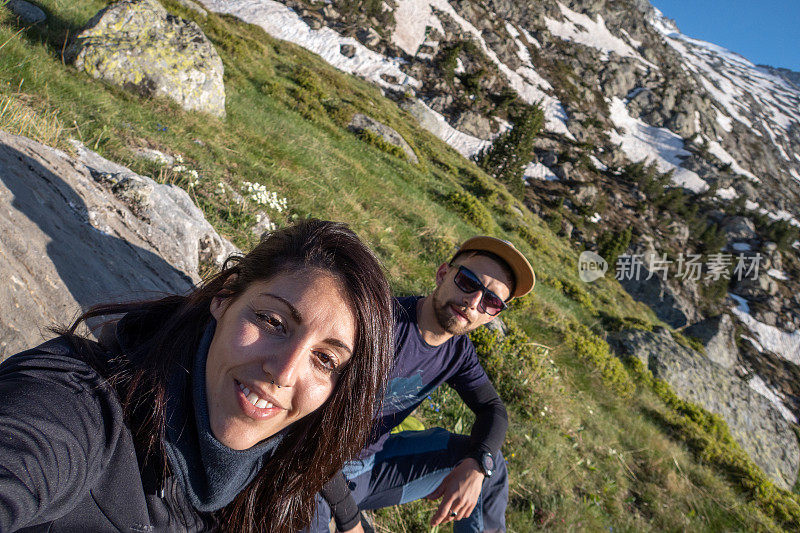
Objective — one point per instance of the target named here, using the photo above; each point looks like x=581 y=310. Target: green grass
x=592 y=444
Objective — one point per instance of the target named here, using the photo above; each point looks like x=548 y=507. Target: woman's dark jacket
x=67 y=457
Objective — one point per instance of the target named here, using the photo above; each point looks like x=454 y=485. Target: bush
x=781 y=233
x=613 y=243
x=380 y=143
x=471 y=209
x=595 y=350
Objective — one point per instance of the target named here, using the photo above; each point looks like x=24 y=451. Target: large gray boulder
x=754 y=422
x=137 y=45
x=718 y=336
x=67 y=242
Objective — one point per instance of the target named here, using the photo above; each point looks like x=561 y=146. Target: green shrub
x=708 y=435
x=595 y=350
x=613 y=243
x=781 y=233
x=380 y=143
x=574 y=292
x=471 y=209
x=524 y=231
x=480 y=187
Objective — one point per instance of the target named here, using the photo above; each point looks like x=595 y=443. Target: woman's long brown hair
x=164 y=334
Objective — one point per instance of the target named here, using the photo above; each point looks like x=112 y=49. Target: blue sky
x=765 y=31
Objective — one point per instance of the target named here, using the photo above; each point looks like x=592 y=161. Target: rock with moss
x=754 y=422
x=138 y=45
x=362 y=123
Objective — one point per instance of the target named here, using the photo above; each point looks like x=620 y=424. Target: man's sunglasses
x=468 y=282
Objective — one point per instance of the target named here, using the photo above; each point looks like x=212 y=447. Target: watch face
x=488 y=463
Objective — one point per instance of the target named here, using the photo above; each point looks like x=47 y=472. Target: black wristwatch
x=485 y=462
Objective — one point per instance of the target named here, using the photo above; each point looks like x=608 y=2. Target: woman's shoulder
x=57 y=360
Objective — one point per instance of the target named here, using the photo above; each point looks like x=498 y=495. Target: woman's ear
x=221 y=300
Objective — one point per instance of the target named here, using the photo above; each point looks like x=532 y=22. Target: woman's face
x=297 y=330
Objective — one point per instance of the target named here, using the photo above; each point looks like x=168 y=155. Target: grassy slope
x=581 y=456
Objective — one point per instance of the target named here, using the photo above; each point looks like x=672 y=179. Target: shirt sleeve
x=491 y=419
x=52 y=436
x=469 y=374
x=473 y=386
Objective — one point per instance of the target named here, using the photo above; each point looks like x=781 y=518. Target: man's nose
x=472 y=299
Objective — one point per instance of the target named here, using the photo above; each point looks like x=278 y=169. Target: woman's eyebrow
x=340 y=344
x=296 y=316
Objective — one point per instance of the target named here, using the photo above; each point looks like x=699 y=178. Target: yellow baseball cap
x=524 y=278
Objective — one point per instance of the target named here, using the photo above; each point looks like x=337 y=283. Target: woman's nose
x=286 y=364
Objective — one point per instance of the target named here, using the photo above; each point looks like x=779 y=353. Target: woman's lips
x=260 y=409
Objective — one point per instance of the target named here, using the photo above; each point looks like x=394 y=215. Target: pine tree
x=511 y=152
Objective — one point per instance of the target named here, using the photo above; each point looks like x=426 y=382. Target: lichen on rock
x=138 y=45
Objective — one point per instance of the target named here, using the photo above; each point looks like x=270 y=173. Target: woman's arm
x=54 y=435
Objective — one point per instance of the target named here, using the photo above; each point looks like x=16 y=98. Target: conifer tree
x=511 y=152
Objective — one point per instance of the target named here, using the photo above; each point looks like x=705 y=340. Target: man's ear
x=441 y=272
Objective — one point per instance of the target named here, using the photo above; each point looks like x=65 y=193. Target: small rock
x=154 y=156
x=362 y=122
x=347 y=50
x=26 y=11
x=369 y=37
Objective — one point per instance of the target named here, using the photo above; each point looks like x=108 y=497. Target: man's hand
x=459 y=492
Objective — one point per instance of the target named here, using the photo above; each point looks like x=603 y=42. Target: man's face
x=456 y=311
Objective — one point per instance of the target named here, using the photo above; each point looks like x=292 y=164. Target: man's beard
x=445 y=317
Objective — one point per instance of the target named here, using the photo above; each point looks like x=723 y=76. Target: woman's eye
x=327 y=361
x=271 y=321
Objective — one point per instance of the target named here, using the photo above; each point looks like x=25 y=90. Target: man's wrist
x=484 y=462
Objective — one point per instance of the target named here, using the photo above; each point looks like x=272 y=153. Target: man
x=468 y=473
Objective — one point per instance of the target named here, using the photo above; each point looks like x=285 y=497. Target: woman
x=224 y=409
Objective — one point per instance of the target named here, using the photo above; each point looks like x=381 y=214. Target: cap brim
x=524 y=276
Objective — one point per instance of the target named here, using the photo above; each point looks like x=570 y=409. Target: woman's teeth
x=254 y=399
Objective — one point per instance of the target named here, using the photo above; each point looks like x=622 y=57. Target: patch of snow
x=717 y=150
x=797 y=156
x=794 y=173
x=728 y=193
x=754 y=342
x=594 y=219
x=642 y=142
x=741 y=304
x=538 y=171
x=530 y=38
x=459 y=66
x=464 y=144
x=758 y=385
x=785 y=345
x=751 y=205
x=777 y=274
x=725 y=121
x=634 y=42
x=582 y=29
x=741 y=247
x=598 y=164
x=413 y=18
x=281 y=22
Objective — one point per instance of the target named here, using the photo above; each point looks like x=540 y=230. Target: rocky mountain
x=673 y=154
